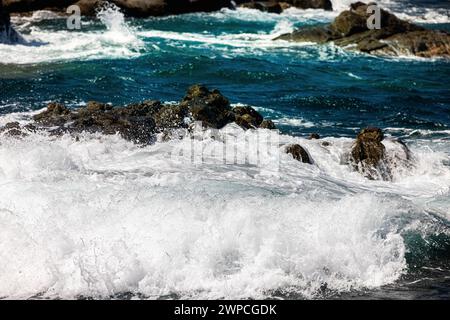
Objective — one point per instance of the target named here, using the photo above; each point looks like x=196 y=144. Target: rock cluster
x=146 y=8
x=395 y=37
x=279 y=6
x=140 y=122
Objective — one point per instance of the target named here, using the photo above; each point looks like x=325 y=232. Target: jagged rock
x=311 y=4
x=314 y=136
x=368 y=148
x=275 y=6
x=368 y=155
x=131 y=122
x=396 y=36
x=374 y=160
x=266 y=6
x=18 y=6
x=140 y=122
x=209 y=107
x=7 y=33
x=247 y=117
x=14 y=129
x=267 y=124
x=299 y=153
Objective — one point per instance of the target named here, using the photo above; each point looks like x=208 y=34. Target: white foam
x=102 y=216
x=118 y=41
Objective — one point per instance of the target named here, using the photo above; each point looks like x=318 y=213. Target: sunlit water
x=101 y=217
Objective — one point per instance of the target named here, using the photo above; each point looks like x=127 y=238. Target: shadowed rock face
x=298 y=153
x=368 y=149
x=274 y=6
x=396 y=36
x=370 y=157
x=7 y=33
x=18 y=6
x=146 y=8
x=140 y=122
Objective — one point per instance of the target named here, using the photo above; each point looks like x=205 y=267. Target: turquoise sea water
x=118 y=219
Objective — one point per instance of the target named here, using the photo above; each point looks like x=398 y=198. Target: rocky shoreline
x=147 y=8
x=396 y=37
x=140 y=123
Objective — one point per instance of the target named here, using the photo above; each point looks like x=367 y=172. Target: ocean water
x=104 y=218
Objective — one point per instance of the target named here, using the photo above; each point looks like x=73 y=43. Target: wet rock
x=314 y=136
x=209 y=107
x=147 y=8
x=265 y=6
x=7 y=33
x=368 y=153
x=299 y=153
x=247 y=117
x=141 y=122
x=267 y=124
x=131 y=122
x=396 y=36
x=171 y=117
x=18 y=6
x=279 y=6
x=14 y=129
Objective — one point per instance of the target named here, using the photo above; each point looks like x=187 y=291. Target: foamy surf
x=40 y=45
x=103 y=217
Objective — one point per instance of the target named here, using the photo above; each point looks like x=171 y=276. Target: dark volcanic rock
x=14 y=129
x=368 y=154
x=18 y=6
x=7 y=33
x=299 y=153
x=368 y=148
x=267 y=124
x=275 y=6
x=209 y=107
x=311 y=4
x=372 y=159
x=132 y=122
x=266 y=6
x=247 y=117
x=396 y=36
x=140 y=122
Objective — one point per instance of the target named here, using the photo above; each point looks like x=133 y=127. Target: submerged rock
x=298 y=153
x=396 y=36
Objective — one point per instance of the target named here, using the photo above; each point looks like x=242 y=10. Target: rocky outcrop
x=18 y=6
x=140 y=122
x=298 y=153
x=396 y=36
x=146 y=8
x=7 y=33
x=278 y=6
x=371 y=158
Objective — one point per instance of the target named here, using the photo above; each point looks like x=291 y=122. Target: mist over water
x=101 y=217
